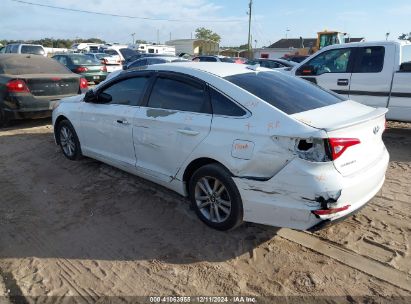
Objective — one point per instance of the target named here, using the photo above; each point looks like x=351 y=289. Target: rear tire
x=215 y=197
x=68 y=140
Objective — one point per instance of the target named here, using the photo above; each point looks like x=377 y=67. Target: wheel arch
x=196 y=164
x=59 y=119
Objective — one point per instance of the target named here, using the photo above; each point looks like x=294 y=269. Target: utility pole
x=158 y=36
x=250 y=6
x=132 y=35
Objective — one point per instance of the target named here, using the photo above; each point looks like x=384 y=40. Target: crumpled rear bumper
x=288 y=198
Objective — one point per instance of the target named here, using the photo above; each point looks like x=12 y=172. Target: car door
x=400 y=100
x=372 y=75
x=176 y=117
x=107 y=125
x=330 y=69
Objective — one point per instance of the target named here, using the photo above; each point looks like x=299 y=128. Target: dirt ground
x=86 y=229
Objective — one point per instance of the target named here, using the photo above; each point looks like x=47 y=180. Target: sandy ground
x=89 y=230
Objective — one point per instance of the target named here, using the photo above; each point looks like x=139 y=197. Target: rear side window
x=32 y=49
x=128 y=91
x=222 y=105
x=406 y=53
x=178 y=95
x=289 y=94
x=369 y=59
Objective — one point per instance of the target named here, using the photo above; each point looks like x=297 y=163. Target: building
x=290 y=46
x=231 y=52
x=194 y=47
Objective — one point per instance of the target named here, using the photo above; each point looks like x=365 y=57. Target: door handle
x=123 y=121
x=188 y=132
x=342 y=82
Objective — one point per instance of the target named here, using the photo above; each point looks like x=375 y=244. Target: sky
x=371 y=19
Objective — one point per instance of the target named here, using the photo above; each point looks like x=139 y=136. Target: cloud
x=30 y=22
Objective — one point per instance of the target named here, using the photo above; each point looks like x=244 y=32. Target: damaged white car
x=243 y=143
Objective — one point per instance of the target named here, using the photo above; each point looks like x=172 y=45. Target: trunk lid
x=52 y=84
x=351 y=120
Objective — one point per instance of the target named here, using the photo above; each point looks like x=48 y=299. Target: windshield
x=289 y=94
x=84 y=60
x=32 y=49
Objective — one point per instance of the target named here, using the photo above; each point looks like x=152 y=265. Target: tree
x=206 y=34
x=405 y=37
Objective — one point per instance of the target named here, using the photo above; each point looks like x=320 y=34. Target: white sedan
x=243 y=143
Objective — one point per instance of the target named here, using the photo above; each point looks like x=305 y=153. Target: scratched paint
x=155 y=113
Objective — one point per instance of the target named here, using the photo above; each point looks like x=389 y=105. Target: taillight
x=83 y=83
x=330 y=210
x=103 y=68
x=81 y=69
x=339 y=145
x=17 y=86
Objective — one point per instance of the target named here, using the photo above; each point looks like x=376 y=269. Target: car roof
x=220 y=69
x=365 y=44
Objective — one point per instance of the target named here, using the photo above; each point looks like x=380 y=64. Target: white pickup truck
x=377 y=74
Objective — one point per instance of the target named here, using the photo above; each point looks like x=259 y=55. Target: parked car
x=91 y=69
x=31 y=85
x=23 y=48
x=377 y=74
x=272 y=63
x=121 y=53
x=112 y=63
x=153 y=60
x=243 y=146
x=214 y=58
x=144 y=55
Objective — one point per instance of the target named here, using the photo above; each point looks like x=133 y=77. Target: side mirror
x=104 y=98
x=90 y=96
x=405 y=67
x=306 y=70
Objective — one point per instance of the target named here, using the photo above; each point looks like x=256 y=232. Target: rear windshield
x=32 y=49
x=289 y=94
x=19 y=65
x=83 y=60
x=406 y=54
x=111 y=52
x=127 y=53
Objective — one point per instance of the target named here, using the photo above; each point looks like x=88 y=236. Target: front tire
x=215 y=197
x=68 y=140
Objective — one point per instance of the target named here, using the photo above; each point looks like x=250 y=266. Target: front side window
x=369 y=60
x=286 y=93
x=127 y=92
x=175 y=94
x=332 y=61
